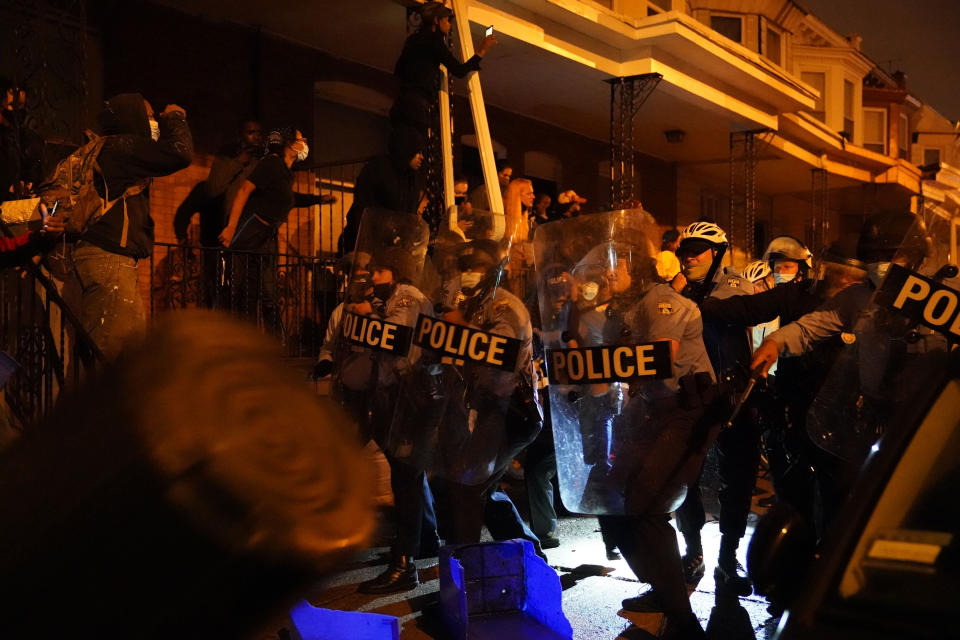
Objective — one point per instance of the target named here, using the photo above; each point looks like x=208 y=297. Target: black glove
x=322 y=369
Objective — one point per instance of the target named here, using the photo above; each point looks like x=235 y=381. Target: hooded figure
x=137 y=148
x=389 y=182
x=130 y=156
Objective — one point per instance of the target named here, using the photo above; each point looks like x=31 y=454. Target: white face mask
x=154 y=129
x=590 y=290
x=696 y=271
x=877 y=271
x=783 y=278
x=304 y=151
x=470 y=279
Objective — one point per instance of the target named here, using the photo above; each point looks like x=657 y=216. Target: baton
x=755 y=376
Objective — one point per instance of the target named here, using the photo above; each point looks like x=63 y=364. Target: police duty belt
x=923 y=300
x=457 y=344
x=609 y=363
x=374 y=333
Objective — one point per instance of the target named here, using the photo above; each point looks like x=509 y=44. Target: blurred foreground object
x=191 y=489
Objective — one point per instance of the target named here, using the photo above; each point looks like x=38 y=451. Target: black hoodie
x=129 y=156
x=386 y=182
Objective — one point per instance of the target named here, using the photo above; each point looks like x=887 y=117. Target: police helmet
x=789 y=248
x=884 y=235
x=394 y=258
x=700 y=236
x=757 y=270
x=481 y=253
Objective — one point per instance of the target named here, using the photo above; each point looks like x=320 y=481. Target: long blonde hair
x=517 y=224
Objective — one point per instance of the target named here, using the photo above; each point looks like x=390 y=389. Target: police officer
x=490 y=394
x=397 y=301
x=885 y=238
x=648 y=542
x=799 y=378
x=701 y=250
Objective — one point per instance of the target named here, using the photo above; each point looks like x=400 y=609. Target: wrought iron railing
x=40 y=330
x=286 y=294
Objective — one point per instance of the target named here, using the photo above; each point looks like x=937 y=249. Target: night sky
x=918 y=37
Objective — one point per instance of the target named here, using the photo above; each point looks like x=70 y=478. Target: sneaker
x=549 y=542
x=613 y=554
x=693 y=569
x=648 y=602
x=733 y=578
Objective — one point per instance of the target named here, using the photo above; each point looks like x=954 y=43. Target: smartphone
x=489 y=31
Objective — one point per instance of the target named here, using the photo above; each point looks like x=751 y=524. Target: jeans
x=110 y=307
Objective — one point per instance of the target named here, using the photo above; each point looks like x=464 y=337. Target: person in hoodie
x=418 y=69
x=138 y=147
x=387 y=182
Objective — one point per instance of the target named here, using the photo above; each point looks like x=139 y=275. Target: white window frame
x=769 y=26
x=886 y=129
x=738 y=16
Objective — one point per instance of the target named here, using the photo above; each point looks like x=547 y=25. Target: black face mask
x=382 y=291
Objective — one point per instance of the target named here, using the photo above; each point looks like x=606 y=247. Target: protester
x=418 y=67
x=138 y=147
x=262 y=204
x=390 y=182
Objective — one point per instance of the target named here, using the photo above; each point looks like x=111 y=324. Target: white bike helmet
x=703 y=231
x=757 y=270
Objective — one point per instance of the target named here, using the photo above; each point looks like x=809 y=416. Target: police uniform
x=648 y=542
x=880 y=361
x=416 y=522
x=490 y=393
x=738 y=448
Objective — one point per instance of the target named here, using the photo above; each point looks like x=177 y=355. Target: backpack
x=72 y=188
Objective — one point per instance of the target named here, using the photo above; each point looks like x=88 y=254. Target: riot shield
x=470 y=404
x=383 y=300
x=894 y=326
x=610 y=409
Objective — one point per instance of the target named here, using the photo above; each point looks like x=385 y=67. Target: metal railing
x=40 y=331
x=288 y=295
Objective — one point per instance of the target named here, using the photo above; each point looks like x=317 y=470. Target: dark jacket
x=130 y=156
x=417 y=66
x=211 y=215
x=386 y=182
x=798 y=377
x=419 y=74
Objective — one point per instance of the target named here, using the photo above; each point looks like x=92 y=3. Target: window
x=875 y=129
x=663 y=4
x=848 y=109
x=904 y=136
x=773 y=46
x=817 y=80
x=728 y=26
x=931 y=156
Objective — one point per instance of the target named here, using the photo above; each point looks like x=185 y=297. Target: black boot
x=401 y=575
x=729 y=574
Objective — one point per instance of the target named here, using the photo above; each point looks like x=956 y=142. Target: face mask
x=783 y=278
x=154 y=129
x=302 y=154
x=382 y=291
x=877 y=271
x=696 y=271
x=590 y=291
x=470 y=279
